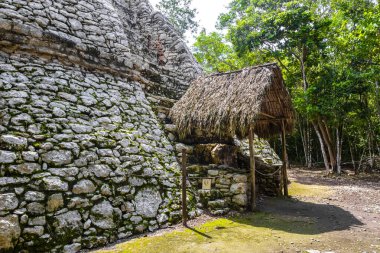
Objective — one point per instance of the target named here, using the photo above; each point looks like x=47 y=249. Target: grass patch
x=260 y=232
x=303 y=190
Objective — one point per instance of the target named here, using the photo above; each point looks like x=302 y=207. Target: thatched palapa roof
x=225 y=104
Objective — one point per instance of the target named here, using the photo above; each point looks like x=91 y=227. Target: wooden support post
x=252 y=167
x=284 y=160
x=184 y=174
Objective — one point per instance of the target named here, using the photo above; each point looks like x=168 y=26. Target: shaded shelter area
x=219 y=107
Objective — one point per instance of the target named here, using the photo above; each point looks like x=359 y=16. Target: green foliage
x=329 y=51
x=180 y=14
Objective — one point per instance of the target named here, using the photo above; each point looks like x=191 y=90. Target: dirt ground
x=324 y=214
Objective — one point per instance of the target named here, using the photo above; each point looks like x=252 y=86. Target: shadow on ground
x=295 y=216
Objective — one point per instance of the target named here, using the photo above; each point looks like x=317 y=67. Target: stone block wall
x=229 y=188
x=83 y=160
x=228 y=168
x=116 y=36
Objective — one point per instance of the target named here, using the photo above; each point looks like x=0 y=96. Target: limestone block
x=10 y=232
x=34 y=196
x=8 y=201
x=54 y=202
x=54 y=184
x=30 y=156
x=240 y=199
x=37 y=221
x=12 y=141
x=72 y=248
x=25 y=168
x=7 y=157
x=35 y=208
x=68 y=225
x=136 y=219
x=240 y=178
x=104 y=216
x=84 y=186
x=238 y=188
x=100 y=170
x=57 y=157
x=148 y=201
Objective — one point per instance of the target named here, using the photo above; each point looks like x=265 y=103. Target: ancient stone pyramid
x=83 y=159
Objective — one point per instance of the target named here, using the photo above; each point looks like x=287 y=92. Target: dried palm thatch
x=225 y=104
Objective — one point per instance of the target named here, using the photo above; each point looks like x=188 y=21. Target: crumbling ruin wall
x=83 y=158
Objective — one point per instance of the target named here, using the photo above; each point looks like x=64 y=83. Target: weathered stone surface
x=7 y=156
x=35 y=208
x=240 y=199
x=5 y=181
x=147 y=202
x=30 y=156
x=72 y=248
x=10 y=232
x=54 y=202
x=84 y=186
x=64 y=172
x=240 y=178
x=68 y=225
x=34 y=196
x=57 y=157
x=37 y=221
x=100 y=170
x=25 y=168
x=103 y=215
x=81 y=129
x=55 y=184
x=238 y=188
x=8 y=201
x=220 y=203
x=33 y=231
x=13 y=141
x=162 y=218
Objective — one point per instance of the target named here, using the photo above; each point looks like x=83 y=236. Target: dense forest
x=329 y=51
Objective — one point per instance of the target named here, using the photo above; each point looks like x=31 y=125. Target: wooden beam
x=284 y=160
x=267 y=115
x=252 y=167
x=184 y=204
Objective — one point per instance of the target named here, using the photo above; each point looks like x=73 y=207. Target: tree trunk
x=305 y=144
x=339 y=140
x=309 y=161
x=377 y=90
x=323 y=149
x=332 y=155
x=352 y=158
